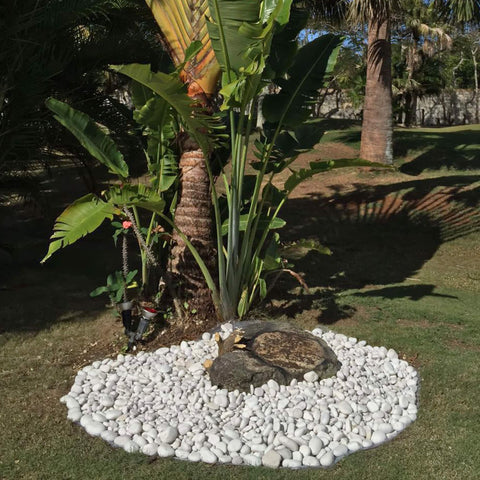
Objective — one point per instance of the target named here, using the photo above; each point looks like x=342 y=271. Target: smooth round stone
x=168 y=435
x=140 y=441
x=107 y=401
x=272 y=459
x=315 y=445
x=207 y=456
x=367 y=443
x=327 y=459
x=70 y=402
x=94 y=428
x=344 y=407
x=378 y=437
x=150 y=449
x=165 y=450
x=290 y=463
x=289 y=443
x=385 y=428
x=386 y=407
x=259 y=392
x=354 y=446
x=284 y=452
x=194 y=456
x=237 y=460
x=253 y=460
x=134 y=427
x=297 y=456
x=372 y=407
x=245 y=450
x=76 y=388
x=325 y=417
x=121 y=440
x=234 y=445
x=108 y=436
x=310 y=461
x=297 y=413
x=221 y=401
x=99 y=417
x=112 y=414
x=231 y=433
x=273 y=385
x=131 y=447
x=181 y=454
x=74 y=414
x=340 y=451
x=310 y=376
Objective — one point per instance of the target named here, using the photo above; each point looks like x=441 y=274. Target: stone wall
x=458 y=107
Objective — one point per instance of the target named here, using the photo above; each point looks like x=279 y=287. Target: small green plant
x=116 y=286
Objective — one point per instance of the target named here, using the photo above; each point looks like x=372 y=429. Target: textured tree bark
x=377 y=125
x=193 y=217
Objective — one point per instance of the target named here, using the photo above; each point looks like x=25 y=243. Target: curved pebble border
x=163 y=403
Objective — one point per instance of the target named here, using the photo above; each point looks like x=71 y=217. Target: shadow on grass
x=412 y=292
x=454 y=150
x=34 y=297
x=379 y=236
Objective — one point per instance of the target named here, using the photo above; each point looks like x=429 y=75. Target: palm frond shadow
x=380 y=236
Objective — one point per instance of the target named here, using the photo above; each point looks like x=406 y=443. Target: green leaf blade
x=91 y=137
x=79 y=219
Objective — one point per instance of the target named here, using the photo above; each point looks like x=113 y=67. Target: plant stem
x=140 y=239
x=125 y=265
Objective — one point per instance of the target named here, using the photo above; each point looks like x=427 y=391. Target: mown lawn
x=404 y=273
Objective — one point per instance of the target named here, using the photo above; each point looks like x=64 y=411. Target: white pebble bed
x=163 y=404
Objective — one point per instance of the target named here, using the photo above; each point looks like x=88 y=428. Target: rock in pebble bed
x=163 y=404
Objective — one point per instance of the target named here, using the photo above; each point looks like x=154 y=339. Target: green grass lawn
x=406 y=278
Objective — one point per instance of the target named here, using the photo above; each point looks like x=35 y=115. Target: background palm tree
x=378 y=15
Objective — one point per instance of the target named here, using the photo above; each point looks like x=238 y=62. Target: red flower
x=126 y=224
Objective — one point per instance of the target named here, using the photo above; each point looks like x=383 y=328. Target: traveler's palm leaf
x=312 y=66
x=172 y=90
x=182 y=22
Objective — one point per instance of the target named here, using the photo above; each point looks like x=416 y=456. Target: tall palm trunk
x=181 y=22
x=377 y=126
x=193 y=216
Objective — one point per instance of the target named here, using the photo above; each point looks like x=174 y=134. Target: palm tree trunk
x=377 y=126
x=193 y=217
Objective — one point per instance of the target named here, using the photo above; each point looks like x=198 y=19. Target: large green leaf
x=135 y=196
x=93 y=139
x=140 y=94
x=79 y=219
x=234 y=31
x=285 y=45
x=173 y=91
x=153 y=113
x=241 y=34
x=313 y=64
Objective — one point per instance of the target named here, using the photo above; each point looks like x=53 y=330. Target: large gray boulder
x=273 y=350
